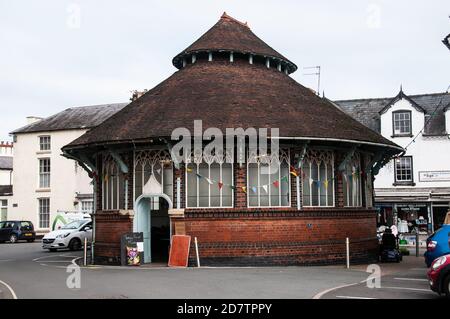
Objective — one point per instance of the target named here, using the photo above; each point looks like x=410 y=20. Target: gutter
x=339 y=140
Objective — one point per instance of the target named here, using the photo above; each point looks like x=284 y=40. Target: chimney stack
x=137 y=94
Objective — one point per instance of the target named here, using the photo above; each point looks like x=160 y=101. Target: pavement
x=27 y=271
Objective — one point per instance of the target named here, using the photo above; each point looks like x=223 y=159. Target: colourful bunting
x=265 y=188
x=276 y=184
x=189 y=170
x=254 y=189
x=220 y=184
x=244 y=189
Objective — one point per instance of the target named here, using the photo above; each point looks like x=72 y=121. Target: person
x=447 y=218
x=388 y=241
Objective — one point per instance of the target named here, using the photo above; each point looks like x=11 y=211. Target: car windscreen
x=74 y=225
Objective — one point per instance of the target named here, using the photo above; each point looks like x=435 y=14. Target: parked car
x=15 y=230
x=70 y=236
x=438 y=244
x=439 y=275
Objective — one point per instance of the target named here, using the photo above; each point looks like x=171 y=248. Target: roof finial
x=401 y=88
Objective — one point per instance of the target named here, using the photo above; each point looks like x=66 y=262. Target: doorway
x=152 y=219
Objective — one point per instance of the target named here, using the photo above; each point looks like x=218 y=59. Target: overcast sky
x=57 y=54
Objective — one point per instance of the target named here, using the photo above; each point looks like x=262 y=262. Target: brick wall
x=109 y=227
x=283 y=237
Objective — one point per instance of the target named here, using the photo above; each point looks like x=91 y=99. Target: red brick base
x=242 y=237
x=267 y=238
x=109 y=227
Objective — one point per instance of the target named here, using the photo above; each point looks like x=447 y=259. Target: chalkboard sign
x=132 y=249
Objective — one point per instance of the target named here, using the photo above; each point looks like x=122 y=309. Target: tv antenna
x=317 y=68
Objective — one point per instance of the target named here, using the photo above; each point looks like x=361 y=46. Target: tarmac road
x=27 y=271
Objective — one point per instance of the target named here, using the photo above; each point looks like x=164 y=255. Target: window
x=87 y=206
x=351 y=182
x=209 y=181
x=268 y=180
x=44 y=143
x=403 y=169
x=113 y=185
x=44 y=212
x=318 y=178
x=156 y=164
x=401 y=123
x=44 y=173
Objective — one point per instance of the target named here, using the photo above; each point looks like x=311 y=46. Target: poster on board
x=132 y=249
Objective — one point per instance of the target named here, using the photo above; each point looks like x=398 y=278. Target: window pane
x=138 y=181
x=314 y=185
x=284 y=184
x=168 y=181
x=214 y=190
x=252 y=182
x=264 y=180
x=203 y=185
x=330 y=185
x=322 y=189
x=274 y=192
x=192 y=186
x=227 y=179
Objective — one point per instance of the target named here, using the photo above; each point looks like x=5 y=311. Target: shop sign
x=434 y=176
x=132 y=249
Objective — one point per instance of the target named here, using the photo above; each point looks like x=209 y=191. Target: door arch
x=142 y=220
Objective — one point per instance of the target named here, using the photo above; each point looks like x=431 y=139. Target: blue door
x=142 y=224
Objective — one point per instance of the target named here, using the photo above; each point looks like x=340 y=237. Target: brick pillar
x=129 y=160
x=240 y=180
x=339 y=187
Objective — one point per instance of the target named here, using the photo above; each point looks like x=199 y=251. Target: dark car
x=439 y=275
x=15 y=230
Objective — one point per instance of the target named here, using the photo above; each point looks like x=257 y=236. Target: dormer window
x=401 y=123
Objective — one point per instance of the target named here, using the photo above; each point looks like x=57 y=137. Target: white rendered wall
x=429 y=153
x=65 y=180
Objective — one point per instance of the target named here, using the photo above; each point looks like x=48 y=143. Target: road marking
x=320 y=294
x=351 y=297
x=9 y=288
x=4 y=260
x=405 y=288
x=412 y=279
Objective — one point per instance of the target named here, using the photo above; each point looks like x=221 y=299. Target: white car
x=70 y=236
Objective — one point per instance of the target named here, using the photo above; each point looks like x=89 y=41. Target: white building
x=416 y=186
x=6 y=176
x=45 y=182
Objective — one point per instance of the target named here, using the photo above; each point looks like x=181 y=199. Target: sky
x=56 y=54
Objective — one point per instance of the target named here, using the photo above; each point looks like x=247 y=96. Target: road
x=26 y=271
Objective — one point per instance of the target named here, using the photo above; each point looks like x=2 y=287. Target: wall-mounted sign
x=434 y=176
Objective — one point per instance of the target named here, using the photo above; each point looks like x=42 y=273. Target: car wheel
x=13 y=239
x=446 y=288
x=53 y=250
x=75 y=244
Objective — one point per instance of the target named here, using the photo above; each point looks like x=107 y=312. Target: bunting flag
x=231 y=186
x=106 y=178
x=220 y=184
x=265 y=188
x=158 y=171
x=276 y=184
x=209 y=180
x=189 y=170
x=325 y=183
x=294 y=173
x=254 y=189
x=244 y=189
x=285 y=179
x=198 y=175
x=311 y=181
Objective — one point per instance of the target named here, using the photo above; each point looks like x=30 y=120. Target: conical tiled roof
x=225 y=94
x=231 y=35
